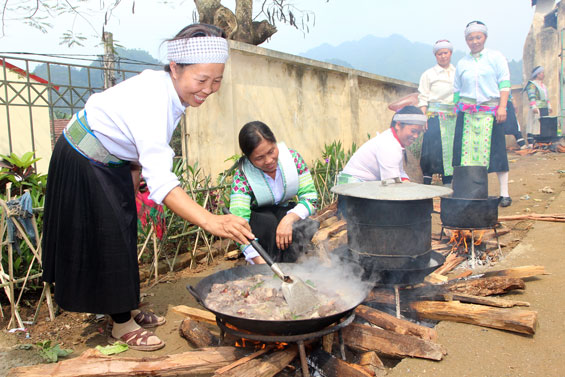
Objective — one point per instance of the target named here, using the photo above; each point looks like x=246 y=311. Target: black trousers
x=264 y=222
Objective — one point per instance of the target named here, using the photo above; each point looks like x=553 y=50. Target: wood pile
x=373 y=340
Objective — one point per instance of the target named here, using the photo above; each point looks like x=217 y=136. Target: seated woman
x=264 y=185
x=382 y=157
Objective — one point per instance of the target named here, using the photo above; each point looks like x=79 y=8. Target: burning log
x=327 y=365
x=391 y=323
x=244 y=360
x=265 y=367
x=196 y=314
x=451 y=261
x=197 y=334
x=366 y=338
x=520 y=321
x=92 y=363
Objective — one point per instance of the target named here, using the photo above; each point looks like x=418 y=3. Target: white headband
x=441 y=45
x=473 y=27
x=536 y=72
x=418 y=119
x=198 y=50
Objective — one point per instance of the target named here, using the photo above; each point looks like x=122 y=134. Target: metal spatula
x=301 y=297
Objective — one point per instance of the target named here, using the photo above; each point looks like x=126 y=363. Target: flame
x=459 y=241
x=257 y=345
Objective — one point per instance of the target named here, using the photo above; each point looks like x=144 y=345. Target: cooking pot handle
x=385 y=182
x=196 y=295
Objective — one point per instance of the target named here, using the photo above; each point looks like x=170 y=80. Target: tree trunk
x=244 y=15
x=206 y=10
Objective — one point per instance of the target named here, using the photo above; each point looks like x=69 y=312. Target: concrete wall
x=306 y=103
x=543 y=47
x=29 y=126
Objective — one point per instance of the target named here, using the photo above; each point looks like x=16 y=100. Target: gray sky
x=337 y=21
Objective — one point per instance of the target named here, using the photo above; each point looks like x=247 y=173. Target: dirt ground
x=472 y=351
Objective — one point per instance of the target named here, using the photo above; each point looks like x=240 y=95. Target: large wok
x=267 y=327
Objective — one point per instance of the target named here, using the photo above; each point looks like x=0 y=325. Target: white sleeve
x=300 y=210
x=424 y=90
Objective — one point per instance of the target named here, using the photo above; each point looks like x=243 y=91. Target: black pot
x=414 y=272
x=470 y=182
x=469 y=213
x=393 y=231
x=548 y=126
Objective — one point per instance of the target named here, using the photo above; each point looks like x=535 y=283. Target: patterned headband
x=198 y=50
x=536 y=71
x=475 y=26
x=442 y=44
x=418 y=119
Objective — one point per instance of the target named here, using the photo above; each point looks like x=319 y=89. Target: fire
x=461 y=239
x=257 y=345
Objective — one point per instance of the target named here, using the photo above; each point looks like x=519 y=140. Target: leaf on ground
x=113 y=349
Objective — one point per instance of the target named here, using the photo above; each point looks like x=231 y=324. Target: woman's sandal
x=137 y=340
x=148 y=319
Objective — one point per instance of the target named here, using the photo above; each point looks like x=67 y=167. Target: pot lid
x=382 y=190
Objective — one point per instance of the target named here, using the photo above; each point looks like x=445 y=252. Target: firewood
x=338 y=240
x=197 y=334
x=461 y=275
x=325 y=212
x=194 y=313
x=435 y=278
x=328 y=342
x=488 y=301
x=371 y=361
x=243 y=360
x=391 y=323
x=92 y=363
x=234 y=254
x=495 y=285
x=558 y=217
x=366 y=338
x=329 y=221
x=327 y=365
x=520 y=321
x=265 y=367
x=451 y=261
x=325 y=233
x=518 y=272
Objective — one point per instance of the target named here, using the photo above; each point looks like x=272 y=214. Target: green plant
x=51 y=353
x=21 y=173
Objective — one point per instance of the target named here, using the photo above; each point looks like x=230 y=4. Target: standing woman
x=436 y=100
x=90 y=222
x=539 y=102
x=268 y=178
x=482 y=87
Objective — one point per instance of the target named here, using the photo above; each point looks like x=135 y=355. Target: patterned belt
x=79 y=135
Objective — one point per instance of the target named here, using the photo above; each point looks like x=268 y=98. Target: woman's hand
x=284 y=230
x=501 y=115
x=229 y=226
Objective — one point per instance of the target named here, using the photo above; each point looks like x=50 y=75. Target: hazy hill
x=394 y=56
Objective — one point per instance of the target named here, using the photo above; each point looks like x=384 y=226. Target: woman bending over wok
x=90 y=222
x=268 y=178
x=382 y=157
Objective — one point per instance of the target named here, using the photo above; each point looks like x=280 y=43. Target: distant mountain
x=394 y=56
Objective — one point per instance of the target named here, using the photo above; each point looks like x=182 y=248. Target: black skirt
x=264 y=222
x=498 y=161
x=90 y=234
x=511 y=126
x=431 y=160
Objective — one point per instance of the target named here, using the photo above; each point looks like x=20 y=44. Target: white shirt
x=378 y=159
x=135 y=121
x=482 y=76
x=436 y=85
